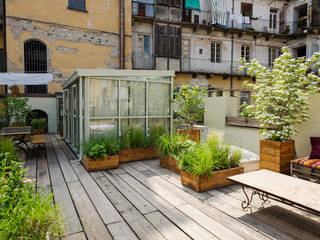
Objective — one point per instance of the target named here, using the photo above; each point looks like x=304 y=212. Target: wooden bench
x=289 y=190
x=305 y=168
x=38 y=142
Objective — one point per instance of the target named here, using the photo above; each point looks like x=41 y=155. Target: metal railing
x=142 y=61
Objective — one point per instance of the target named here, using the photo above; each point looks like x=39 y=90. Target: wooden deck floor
x=140 y=200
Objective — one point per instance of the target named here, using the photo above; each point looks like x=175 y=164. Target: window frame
x=246 y=52
x=215 y=56
x=273 y=16
x=273 y=54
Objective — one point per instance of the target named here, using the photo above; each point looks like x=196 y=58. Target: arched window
x=35 y=61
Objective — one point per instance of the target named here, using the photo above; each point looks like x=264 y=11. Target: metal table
x=289 y=190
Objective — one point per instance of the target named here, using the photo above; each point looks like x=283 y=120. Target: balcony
x=143 y=9
x=170 y=3
x=142 y=61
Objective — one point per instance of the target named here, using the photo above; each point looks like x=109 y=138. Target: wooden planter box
x=204 y=183
x=170 y=163
x=128 y=155
x=193 y=134
x=38 y=131
x=100 y=164
x=276 y=156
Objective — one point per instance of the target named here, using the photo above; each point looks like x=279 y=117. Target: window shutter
x=77 y=4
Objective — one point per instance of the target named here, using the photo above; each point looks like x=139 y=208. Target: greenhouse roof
x=112 y=73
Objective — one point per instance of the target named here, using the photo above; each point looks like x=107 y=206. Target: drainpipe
x=4 y=25
x=122 y=34
x=232 y=45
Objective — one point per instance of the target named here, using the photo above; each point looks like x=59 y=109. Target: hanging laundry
x=218 y=12
x=247 y=20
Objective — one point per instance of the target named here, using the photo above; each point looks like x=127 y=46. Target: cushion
x=315 y=144
x=313 y=163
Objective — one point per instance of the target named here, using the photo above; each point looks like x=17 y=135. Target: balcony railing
x=142 y=9
x=142 y=61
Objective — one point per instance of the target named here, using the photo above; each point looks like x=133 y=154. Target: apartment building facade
x=58 y=37
x=203 y=40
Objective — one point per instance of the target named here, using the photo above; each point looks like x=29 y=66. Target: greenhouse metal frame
x=95 y=96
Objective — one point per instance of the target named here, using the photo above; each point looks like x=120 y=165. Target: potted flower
x=169 y=147
x=281 y=101
x=207 y=166
x=135 y=146
x=39 y=126
x=190 y=109
x=100 y=154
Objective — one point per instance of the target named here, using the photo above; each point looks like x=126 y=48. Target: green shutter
x=193 y=4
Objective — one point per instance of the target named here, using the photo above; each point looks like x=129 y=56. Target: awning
x=12 y=79
x=193 y=4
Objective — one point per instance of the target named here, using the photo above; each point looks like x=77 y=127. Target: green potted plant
x=169 y=146
x=39 y=126
x=281 y=103
x=136 y=146
x=207 y=166
x=101 y=153
x=16 y=110
x=190 y=109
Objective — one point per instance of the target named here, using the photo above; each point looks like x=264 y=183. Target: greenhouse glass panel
x=132 y=98
x=136 y=123
x=159 y=94
x=103 y=98
x=156 y=122
x=103 y=127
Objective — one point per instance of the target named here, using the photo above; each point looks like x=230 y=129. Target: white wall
x=220 y=107
x=49 y=106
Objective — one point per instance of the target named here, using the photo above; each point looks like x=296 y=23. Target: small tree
x=17 y=109
x=190 y=101
x=282 y=94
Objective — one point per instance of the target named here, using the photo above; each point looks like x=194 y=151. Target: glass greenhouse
x=102 y=102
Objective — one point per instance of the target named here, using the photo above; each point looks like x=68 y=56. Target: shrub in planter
x=169 y=147
x=39 y=126
x=16 y=110
x=207 y=166
x=282 y=101
x=190 y=109
x=100 y=154
x=135 y=146
x=24 y=213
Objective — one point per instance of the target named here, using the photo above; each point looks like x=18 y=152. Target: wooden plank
x=196 y=200
x=135 y=220
x=121 y=231
x=51 y=155
x=66 y=167
x=63 y=199
x=43 y=178
x=106 y=210
x=31 y=167
x=165 y=226
x=68 y=152
x=77 y=236
x=198 y=216
x=135 y=198
x=91 y=221
x=186 y=224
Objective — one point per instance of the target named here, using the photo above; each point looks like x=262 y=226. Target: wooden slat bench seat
x=38 y=143
x=286 y=189
x=306 y=168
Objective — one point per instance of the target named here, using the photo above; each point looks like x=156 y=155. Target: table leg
x=264 y=197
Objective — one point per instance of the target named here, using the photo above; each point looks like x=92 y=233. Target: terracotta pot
x=276 y=156
x=193 y=134
x=204 y=183
x=128 y=155
x=100 y=164
x=170 y=163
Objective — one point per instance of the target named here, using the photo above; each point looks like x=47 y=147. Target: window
x=215 y=52
x=186 y=48
x=79 y=5
x=245 y=97
x=168 y=41
x=273 y=18
x=35 y=61
x=245 y=53
x=273 y=54
x=247 y=9
x=144 y=44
